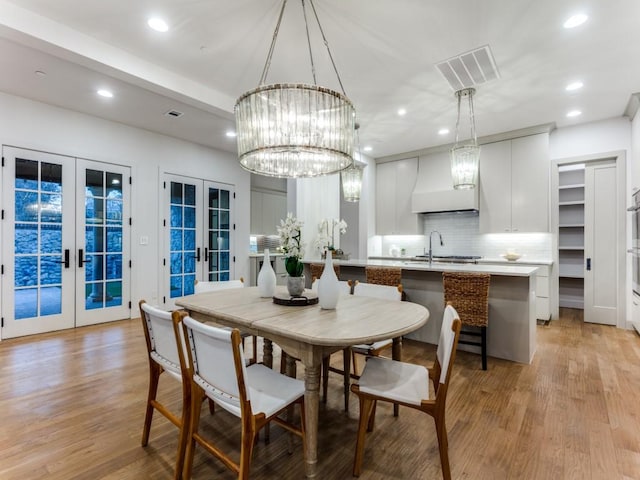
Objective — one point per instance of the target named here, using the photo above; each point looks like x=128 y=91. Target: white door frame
x=619 y=157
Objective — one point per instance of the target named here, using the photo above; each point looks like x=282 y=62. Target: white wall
x=34 y=125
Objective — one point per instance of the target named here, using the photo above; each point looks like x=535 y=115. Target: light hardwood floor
x=72 y=406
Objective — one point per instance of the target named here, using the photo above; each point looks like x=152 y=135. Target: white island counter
x=511 y=334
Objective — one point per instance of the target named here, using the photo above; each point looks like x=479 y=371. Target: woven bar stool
x=469 y=295
x=391 y=276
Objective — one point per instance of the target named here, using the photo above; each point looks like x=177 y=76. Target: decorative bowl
x=511 y=256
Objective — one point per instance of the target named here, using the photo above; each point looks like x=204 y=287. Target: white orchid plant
x=327 y=230
x=291 y=244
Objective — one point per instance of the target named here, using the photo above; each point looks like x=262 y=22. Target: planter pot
x=295 y=285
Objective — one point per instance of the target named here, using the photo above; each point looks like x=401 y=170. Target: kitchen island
x=511 y=334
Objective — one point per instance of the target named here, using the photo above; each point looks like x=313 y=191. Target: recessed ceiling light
x=574 y=86
x=158 y=24
x=574 y=113
x=367 y=148
x=575 y=20
x=105 y=93
x=40 y=73
x=231 y=134
x=443 y=131
x=402 y=111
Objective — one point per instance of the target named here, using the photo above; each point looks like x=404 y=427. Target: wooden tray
x=307 y=298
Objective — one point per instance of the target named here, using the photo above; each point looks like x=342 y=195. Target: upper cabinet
x=514 y=185
x=267 y=209
x=394 y=185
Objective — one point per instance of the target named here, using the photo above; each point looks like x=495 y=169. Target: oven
x=635 y=241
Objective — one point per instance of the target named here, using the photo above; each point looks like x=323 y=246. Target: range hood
x=434 y=192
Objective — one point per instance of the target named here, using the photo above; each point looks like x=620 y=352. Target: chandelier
x=465 y=156
x=352 y=176
x=291 y=130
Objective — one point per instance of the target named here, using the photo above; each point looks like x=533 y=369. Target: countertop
x=261 y=254
x=504 y=268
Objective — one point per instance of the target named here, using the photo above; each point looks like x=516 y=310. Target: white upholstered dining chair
x=256 y=394
x=407 y=384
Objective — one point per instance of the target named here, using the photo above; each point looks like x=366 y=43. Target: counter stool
x=469 y=295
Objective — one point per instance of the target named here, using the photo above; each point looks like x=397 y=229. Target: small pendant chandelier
x=295 y=130
x=465 y=156
x=352 y=176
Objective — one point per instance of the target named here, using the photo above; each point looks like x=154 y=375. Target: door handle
x=588 y=264
x=65 y=262
x=198 y=254
x=206 y=254
x=80 y=258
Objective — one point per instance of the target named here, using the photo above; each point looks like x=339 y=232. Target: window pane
x=213 y=240
x=26 y=206
x=26 y=174
x=176 y=216
x=189 y=281
x=94 y=210
x=176 y=193
x=224 y=219
x=176 y=286
x=213 y=219
x=51 y=177
x=189 y=262
x=50 y=239
x=223 y=240
x=95 y=183
x=224 y=199
x=114 y=185
x=51 y=207
x=26 y=271
x=224 y=276
x=224 y=261
x=176 y=239
x=114 y=211
x=26 y=303
x=213 y=198
x=114 y=239
x=94 y=268
x=176 y=263
x=114 y=294
x=94 y=296
x=50 y=269
x=26 y=240
x=189 y=239
x=189 y=194
x=50 y=300
x=94 y=239
x=189 y=217
x=114 y=267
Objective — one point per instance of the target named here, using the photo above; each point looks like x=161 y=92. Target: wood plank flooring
x=72 y=406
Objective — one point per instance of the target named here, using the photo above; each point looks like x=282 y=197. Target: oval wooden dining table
x=309 y=333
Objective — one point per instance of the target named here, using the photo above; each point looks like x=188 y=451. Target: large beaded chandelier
x=291 y=130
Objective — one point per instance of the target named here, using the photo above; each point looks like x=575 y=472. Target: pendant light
x=291 y=130
x=465 y=156
x=352 y=176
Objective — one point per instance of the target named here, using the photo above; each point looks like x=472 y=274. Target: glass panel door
x=37 y=239
x=102 y=242
x=198 y=235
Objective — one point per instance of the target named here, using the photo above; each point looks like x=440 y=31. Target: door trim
x=619 y=157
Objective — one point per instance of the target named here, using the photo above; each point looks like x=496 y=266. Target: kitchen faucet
x=441 y=243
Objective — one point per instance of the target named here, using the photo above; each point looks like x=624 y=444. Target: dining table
x=308 y=333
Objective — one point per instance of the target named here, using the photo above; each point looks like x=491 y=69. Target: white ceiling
x=385 y=52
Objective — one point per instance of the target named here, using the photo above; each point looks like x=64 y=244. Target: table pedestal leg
x=311 y=404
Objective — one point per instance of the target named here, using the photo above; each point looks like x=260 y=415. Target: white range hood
x=434 y=190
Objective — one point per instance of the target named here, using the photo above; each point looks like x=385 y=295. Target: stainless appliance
x=635 y=242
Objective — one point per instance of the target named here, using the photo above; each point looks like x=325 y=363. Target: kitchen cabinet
x=267 y=209
x=394 y=185
x=514 y=185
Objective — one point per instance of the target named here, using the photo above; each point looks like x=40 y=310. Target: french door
x=64 y=238
x=198 y=234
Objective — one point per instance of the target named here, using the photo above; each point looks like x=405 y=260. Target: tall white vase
x=266 y=277
x=328 y=286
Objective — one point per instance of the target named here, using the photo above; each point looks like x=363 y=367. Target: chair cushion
x=269 y=391
x=368 y=348
x=392 y=380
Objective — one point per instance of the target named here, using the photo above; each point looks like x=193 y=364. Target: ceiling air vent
x=174 y=113
x=469 y=69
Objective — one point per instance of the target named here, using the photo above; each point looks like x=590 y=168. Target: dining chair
x=213 y=286
x=161 y=333
x=255 y=394
x=407 y=384
x=469 y=294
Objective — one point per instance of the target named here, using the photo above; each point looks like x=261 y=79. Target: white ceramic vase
x=328 y=286
x=266 y=277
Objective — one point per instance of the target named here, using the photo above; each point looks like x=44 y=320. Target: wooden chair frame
x=435 y=408
x=251 y=423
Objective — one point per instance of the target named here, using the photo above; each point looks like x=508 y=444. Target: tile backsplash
x=460 y=235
